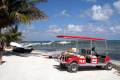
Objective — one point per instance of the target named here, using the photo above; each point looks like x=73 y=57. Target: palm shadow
x=2 y=62
x=10 y=53
x=59 y=68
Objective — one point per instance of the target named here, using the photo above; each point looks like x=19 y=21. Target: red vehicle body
x=83 y=57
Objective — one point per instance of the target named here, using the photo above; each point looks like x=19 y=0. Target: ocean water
x=113 y=47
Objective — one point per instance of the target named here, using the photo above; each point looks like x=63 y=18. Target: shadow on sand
x=80 y=68
x=2 y=62
x=10 y=53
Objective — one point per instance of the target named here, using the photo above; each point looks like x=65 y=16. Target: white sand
x=39 y=68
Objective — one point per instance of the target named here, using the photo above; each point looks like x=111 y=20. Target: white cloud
x=86 y=13
x=28 y=29
x=91 y=28
x=101 y=13
x=99 y=29
x=70 y=28
x=29 y=32
x=112 y=29
x=74 y=28
x=115 y=29
x=30 y=26
x=117 y=5
x=65 y=13
x=54 y=29
x=78 y=29
x=90 y=0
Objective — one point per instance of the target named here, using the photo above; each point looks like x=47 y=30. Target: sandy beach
x=40 y=68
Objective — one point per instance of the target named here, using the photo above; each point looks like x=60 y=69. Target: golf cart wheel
x=73 y=67
x=108 y=66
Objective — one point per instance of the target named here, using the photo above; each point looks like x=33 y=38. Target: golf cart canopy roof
x=79 y=37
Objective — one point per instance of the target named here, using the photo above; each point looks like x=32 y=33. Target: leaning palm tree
x=14 y=12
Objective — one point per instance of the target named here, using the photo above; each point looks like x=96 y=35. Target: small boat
x=63 y=42
x=20 y=48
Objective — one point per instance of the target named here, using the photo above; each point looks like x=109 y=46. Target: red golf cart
x=76 y=57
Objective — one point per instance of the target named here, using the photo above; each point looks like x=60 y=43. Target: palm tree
x=14 y=12
x=12 y=34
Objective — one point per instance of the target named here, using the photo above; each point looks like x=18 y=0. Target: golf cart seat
x=102 y=58
x=82 y=52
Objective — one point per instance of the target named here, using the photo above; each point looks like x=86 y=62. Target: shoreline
x=39 y=52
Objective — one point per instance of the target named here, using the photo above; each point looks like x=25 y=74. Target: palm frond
x=12 y=34
x=36 y=1
x=20 y=17
x=35 y=13
x=13 y=12
x=2 y=37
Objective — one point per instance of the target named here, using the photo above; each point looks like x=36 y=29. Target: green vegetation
x=12 y=34
x=15 y=12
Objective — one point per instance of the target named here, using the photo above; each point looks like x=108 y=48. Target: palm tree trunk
x=0 y=49
x=0 y=34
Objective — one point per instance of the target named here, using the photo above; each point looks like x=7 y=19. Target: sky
x=93 y=18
